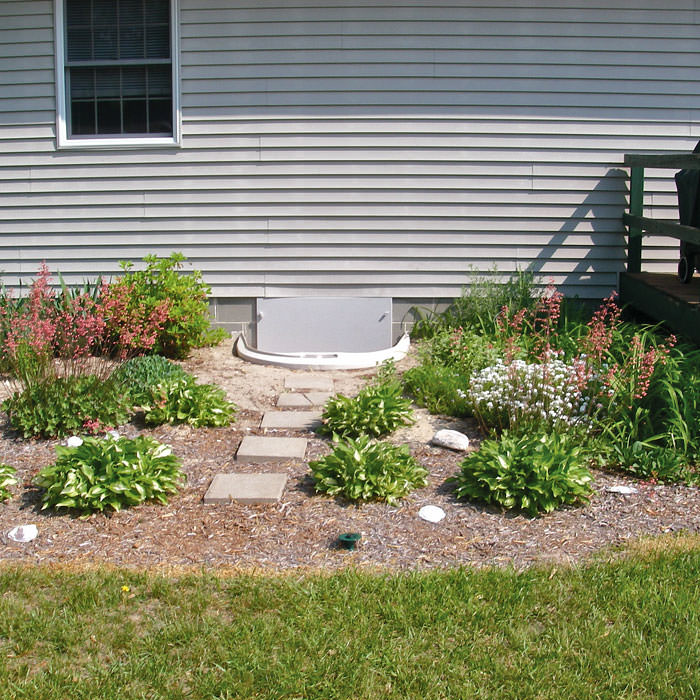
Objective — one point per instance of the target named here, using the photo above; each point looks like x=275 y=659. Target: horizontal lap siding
x=364 y=149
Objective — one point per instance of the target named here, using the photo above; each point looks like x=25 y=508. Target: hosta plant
x=141 y=374
x=535 y=473
x=377 y=410
x=110 y=474
x=364 y=470
x=60 y=406
x=7 y=478
x=184 y=401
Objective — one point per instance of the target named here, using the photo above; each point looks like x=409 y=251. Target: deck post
x=634 y=241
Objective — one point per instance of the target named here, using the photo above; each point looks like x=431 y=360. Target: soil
x=302 y=529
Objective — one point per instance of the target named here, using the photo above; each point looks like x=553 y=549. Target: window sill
x=117 y=143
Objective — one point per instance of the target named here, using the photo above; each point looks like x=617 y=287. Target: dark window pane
x=159 y=81
x=77 y=12
x=109 y=119
x=160 y=115
x=157 y=11
x=135 y=117
x=104 y=12
x=131 y=41
x=79 y=43
x=82 y=118
x=134 y=81
x=106 y=45
x=131 y=11
x=108 y=83
x=158 y=41
x=82 y=83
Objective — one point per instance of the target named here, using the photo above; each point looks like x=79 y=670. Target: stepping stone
x=257 y=449
x=303 y=400
x=293 y=420
x=295 y=400
x=301 y=382
x=246 y=488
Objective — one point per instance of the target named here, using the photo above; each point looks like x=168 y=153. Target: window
x=117 y=76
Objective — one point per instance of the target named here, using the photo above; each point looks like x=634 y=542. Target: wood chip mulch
x=302 y=529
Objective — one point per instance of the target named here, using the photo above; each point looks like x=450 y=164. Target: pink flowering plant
x=60 y=347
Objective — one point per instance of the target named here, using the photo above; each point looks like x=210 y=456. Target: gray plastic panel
x=324 y=324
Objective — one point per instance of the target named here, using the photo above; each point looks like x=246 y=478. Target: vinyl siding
x=367 y=148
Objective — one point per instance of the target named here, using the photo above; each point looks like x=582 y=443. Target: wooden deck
x=663 y=298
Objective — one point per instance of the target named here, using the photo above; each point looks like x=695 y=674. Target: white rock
x=432 y=514
x=452 y=439
x=112 y=434
x=23 y=533
x=74 y=441
x=625 y=490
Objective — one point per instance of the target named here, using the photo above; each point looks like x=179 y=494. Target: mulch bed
x=302 y=529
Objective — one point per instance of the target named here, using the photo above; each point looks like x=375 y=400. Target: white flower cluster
x=506 y=395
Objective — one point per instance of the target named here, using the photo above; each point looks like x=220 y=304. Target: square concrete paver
x=310 y=382
x=294 y=400
x=257 y=449
x=292 y=420
x=246 y=488
x=306 y=399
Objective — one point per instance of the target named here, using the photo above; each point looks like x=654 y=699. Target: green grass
x=626 y=628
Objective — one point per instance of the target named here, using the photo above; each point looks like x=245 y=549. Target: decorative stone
x=23 y=533
x=256 y=449
x=433 y=514
x=246 y=488
x=451 y=439
x=624 y=490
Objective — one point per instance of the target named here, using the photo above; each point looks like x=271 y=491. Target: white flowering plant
x=521 y=395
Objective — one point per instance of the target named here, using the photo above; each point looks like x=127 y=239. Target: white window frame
x=63 y=139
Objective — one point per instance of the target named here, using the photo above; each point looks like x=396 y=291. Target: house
x=332 y=148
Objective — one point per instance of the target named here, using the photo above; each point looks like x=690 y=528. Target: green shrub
x=437 y=388
x=184 y=401
x=187 y=324
x=479 y=304
x=377 y=410
x=534 y=473
x=141 y=374
x=61 y=406
x=648 y=460
x=111 y=474
x=7 y=478
x=365 y=470
x=464 y=350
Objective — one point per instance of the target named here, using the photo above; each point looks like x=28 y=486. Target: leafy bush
x=7 y=478
x=534 y=473
x=111 y=474
x=187 y=323
x=649 y=460
x=377 y=410
x=182 y=400
x=365 y=470
x=60 y=406
x=437 y=388
x=141 y=374
x=479 y=305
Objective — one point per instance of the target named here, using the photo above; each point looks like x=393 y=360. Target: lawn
x=624 y=627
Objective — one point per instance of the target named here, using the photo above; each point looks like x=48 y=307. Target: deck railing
x=639 y=225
